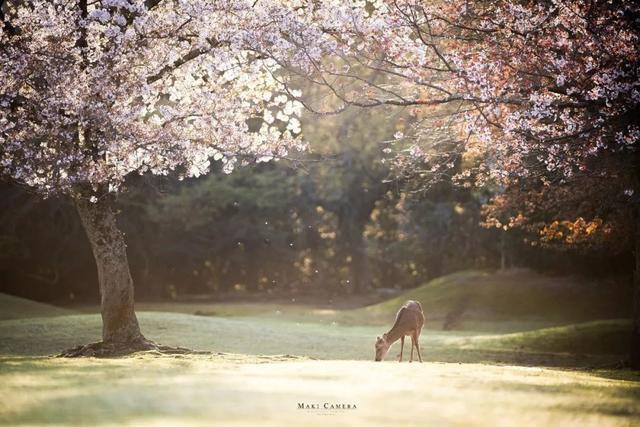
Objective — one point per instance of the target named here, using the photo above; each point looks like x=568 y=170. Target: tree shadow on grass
x=130 y=404
x=601 y=399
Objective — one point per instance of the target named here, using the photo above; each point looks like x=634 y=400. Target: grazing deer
x=409 y=321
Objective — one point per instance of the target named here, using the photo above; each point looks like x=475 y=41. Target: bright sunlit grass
x=218 y=390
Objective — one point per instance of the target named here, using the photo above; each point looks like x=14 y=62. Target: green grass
x=12 y=307
x=597 y=337
x=598 y=343
x=212 y=390
x=513 y=319
x=518 y=296
x=518 y=365
x=253 y=335
x=289 y=311
x=509 y=301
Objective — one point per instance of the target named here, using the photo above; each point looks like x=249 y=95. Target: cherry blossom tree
x=93 y=92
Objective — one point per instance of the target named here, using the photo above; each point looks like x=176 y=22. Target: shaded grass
x=508 y=301
x=294 y=312
x=12 y=307
x=598 y=337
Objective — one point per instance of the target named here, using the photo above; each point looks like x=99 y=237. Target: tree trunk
x=353 y=246
x=503 y=250
x=119 y=322
x=120 y=330
x=360 y=267
x=635 y=337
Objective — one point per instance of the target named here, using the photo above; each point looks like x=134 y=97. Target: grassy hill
x=12 y=307
x=466 y=300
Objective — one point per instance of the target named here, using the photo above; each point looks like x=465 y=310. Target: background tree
x=351 y=182
x=549 y=87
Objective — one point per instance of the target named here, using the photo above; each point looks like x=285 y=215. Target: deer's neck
x=394 y=335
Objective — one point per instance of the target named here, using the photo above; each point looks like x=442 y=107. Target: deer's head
x=382 y=347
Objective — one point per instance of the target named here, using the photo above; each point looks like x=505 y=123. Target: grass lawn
x=495 y=369
x=217 y=390
x=264 y=335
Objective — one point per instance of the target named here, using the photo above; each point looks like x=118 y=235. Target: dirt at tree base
x=116 y=349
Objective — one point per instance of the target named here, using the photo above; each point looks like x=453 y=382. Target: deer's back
x=409 y=318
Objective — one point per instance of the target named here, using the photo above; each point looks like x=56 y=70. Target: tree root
x=115 y=349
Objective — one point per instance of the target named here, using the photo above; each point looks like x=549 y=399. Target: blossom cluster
x=89 y=96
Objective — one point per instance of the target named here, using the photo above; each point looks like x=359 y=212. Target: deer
x=409 y=322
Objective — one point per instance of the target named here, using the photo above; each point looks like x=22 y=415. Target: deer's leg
x=417 y=344
x=401 y=347
x=412 y=343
